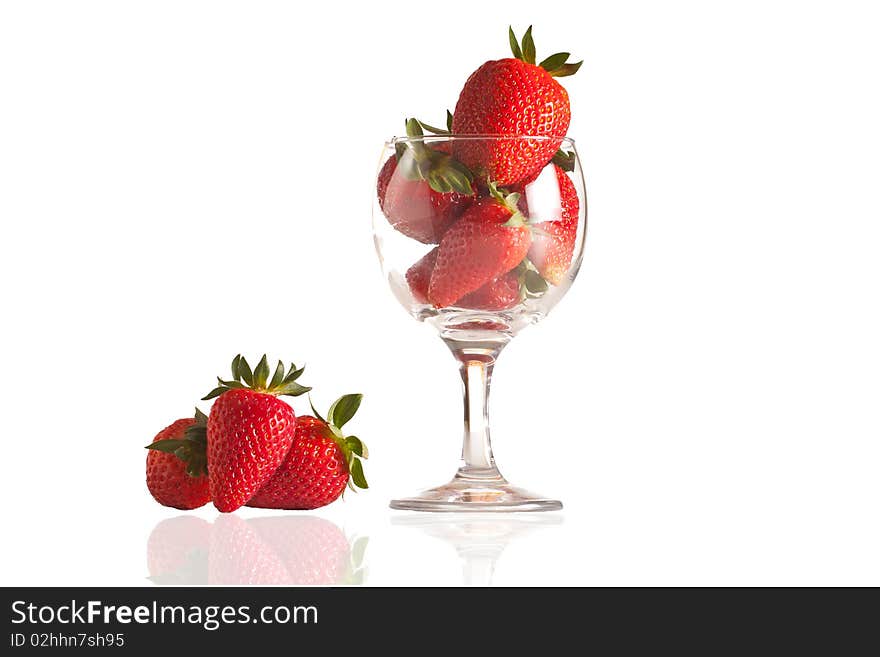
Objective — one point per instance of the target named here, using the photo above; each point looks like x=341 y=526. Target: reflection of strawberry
x=513 y=97
x=421 y=189
x=250 y=430
x=176 y=475
x=321 y=461
x=238 y=555
x=177 y=551
x=313 y=550
x=553 y=243
x=498 y=294
x=489 y=240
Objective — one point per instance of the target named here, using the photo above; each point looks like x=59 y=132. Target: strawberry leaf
x=315 y=411
x=432 y=129
x=564 y=160
x=261 y=374
x=191 y=449
x=343 y=409
x=449 y=121
x=169 y=446
x=439 y=170
x=535 y=285
x=258 y=379
x=356 y=445
x=514 y=44
x=414 y=129
x=231 y=384
x=292 y=389
x=566 y=70
x=357 y=473
x=216 y=392
x=438 y=183
x=555 y=61
x=244 y=370
x=201 y=418
x=294 y=373
x=528 y=47
x=278 y=377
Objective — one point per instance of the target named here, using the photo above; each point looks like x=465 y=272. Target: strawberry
x=421 y=190
x=498 y=294
x=250 y=430
x=321 y=461
x=176 y=474
x=419 y=275
x=513 y=97
x=551 y=252
x=489 y=240
x=553 y=242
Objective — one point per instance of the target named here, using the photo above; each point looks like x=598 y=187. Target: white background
x=180 y=181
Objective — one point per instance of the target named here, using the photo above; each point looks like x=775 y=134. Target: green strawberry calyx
x=564 y=160
x=556 y=64
x=511 y=202
x=418 y=161
x=531 y=284
x=352 y=447
x=191 y=449
x=438 y=131
x=283 y=382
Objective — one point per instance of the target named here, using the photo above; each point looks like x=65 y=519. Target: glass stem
x=476 y=376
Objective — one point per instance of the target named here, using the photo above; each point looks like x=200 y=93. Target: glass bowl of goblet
x=479 y=236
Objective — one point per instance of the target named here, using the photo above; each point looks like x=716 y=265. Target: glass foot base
x=463 y=495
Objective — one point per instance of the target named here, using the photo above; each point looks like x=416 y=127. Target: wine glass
x=479 y=236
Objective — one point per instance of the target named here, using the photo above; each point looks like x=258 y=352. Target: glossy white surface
x=180 y=181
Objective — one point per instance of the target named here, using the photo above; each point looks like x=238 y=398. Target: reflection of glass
x=479 y=540
x=268 y=550
x=505 y=257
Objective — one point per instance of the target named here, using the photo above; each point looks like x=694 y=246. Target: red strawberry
x=176 y=473
x=319 y=464
x=553 y=243
x=489 y=240
x=499 y=294
x=419 y=275
x=413 y=208
x=250 y=430
x=551 y=252
x=421 y=190
x=513 y=97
